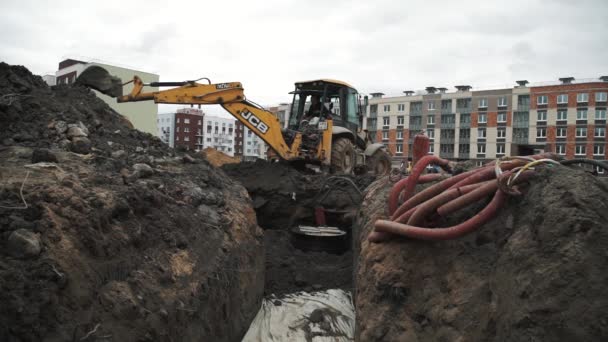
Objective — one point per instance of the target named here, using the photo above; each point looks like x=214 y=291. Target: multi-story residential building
x=166 y=128
x=143 y=115
x=189 y=129
x=239 y=136
x=566 y=117
x=219 y=133
x=253 y=146
x=282 y=113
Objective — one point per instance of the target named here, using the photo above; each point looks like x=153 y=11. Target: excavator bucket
x=98 y=78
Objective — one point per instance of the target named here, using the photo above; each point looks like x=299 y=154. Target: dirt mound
x=217 y=158
x=107 y=235
x=535 y=272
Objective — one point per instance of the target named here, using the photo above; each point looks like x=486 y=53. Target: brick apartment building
x=566 y=117
x=189 y=128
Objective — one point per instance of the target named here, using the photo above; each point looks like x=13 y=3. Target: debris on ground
x=534 y=272
x=108 y=234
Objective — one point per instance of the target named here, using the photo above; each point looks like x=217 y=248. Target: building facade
x=253 y=146
x=166 y=128
x=189 y=129
x=282 y=112
x=219 y=133
x=143 y=115
x=567 y=117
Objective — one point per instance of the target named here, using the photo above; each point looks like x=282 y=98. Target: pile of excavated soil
x=283 y=198
x=218 y=158
x=536 y=272
x=107 y=235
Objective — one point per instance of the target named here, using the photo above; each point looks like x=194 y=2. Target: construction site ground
x=107 y=234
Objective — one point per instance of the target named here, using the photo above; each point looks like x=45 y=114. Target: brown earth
x=217 y=158
x=106 y=234
x=537 y=272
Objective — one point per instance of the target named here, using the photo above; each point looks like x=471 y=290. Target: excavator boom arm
x=232 y=98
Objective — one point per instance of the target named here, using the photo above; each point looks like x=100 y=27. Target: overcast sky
x=379 y=45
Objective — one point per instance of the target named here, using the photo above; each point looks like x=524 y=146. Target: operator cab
x=339 y=101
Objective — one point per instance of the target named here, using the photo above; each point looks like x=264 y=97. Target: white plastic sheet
x=326 y=316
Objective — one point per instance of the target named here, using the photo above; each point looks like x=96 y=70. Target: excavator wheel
x=342 y=156
x=379 y=163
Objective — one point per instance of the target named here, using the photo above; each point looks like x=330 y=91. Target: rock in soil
x=23 y=243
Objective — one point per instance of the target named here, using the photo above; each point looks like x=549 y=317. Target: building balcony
x=446 y=155
x=373 y=114
x=521 y=140
x=416 y=112
x=415 y=127
x=523 y=107
x=446 y=140
x=521 y=124
x=446 y=110
x=464 y=110
x=448 y=124
x=463 y=155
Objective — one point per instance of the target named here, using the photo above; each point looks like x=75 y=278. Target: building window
x=541 y=115
x=501 y=133
x=430 y=132
x=483 y=103
x=502 y=101
x=541 y=132
x=598 y=150
x=186 y=129
x=430 y=120
x=580 y=150
x=177 y=129
x=386 y=121
x=581 y=114
x=431 y=148
x=208 y=139
x=560 y=149
x=562 y=115
x=385 y=135
x=562 y=98
x=387 y=108
x=208 y=129
x=400 y=135
x=581 y=132
x=399 y=148
x=431 y=105
x=501 y=117
x=541 y=100
x=186 y=138
x=481 y=148
x=582 y=97
x=186 y=121
x=600 y=114
x=464 y=133
x=465 y=118
x=500 y=148
x=401 y=107
x=600 y=132
x=481 y=133
x=200 y=122
x=177 y=120
x=400 y=120
x=561 y=132
x=601 y=97
x=483 y=118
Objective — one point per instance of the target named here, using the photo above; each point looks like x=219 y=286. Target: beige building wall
x=141 y=114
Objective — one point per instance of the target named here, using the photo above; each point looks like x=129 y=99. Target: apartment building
x=189 y=129
x=282 y=112
x=219 y=133
x=567 y=117
x=253 y=146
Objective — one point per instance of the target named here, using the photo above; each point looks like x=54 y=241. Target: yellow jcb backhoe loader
x=330 y=137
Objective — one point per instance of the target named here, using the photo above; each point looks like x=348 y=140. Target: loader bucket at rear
x=98 y=78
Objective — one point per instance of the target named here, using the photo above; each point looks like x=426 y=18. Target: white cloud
x=382 y=45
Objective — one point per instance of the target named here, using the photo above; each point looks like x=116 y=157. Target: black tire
x=342 y=156
x=379 y=163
